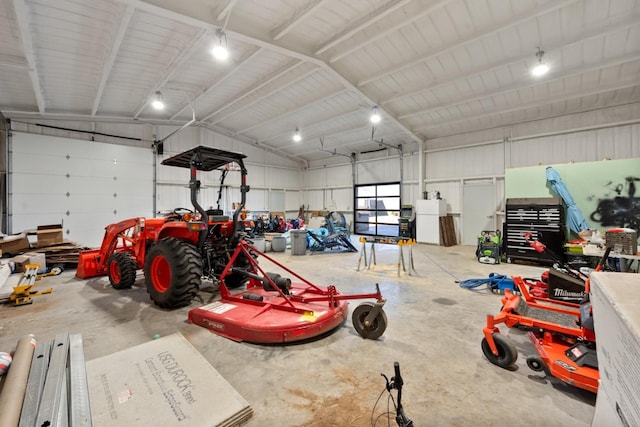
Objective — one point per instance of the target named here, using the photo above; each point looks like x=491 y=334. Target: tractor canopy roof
x=204 y=158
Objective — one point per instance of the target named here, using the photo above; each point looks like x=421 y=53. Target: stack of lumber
x=66 y=253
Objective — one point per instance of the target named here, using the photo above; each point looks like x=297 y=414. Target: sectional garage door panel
x=83 y=184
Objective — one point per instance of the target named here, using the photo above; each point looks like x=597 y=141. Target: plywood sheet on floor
x=162 y=382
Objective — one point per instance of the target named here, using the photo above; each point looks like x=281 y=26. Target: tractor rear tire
x=122 y=270
x=173 y=272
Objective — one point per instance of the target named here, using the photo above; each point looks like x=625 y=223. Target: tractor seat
x=217 y=215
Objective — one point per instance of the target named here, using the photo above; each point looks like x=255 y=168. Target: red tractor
x=178 y=250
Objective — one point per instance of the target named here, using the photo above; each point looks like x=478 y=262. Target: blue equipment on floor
x=496 y=283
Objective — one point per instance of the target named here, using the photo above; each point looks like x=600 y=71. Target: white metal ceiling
x=434 y=67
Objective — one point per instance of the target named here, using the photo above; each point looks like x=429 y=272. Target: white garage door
x=84 y=185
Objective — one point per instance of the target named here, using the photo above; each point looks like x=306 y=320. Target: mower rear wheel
x=173 y=271
x=376 y=328
x=122 y=270
x=507 y=352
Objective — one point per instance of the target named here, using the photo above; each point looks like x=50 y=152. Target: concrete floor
x=434 y=332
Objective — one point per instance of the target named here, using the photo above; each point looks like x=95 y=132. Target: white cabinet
x=428 y=213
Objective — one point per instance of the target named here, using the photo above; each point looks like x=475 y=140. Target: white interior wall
x=483 y=157
x=82 y=185
x=612 y=132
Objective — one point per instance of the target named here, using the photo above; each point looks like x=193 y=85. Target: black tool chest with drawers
x=544 y=219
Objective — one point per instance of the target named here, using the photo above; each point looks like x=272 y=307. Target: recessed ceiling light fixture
x=541 y=67
x=158 y=102
x=375 y=115
x=296 y=136
x=220 y=51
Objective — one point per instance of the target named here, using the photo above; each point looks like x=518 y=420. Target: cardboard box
x=49 y=235
x=38 y=258
x=20 y=262
x=615 y=298
x=14 y=244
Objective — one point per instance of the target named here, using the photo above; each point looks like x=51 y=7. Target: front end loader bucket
x=88 y=264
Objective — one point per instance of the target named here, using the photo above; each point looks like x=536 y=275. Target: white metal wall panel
x=592 y=145
x=486 y=160
x=315 y=199
x=338 y=176
x=85 y=184
x=315 y=178
x=257 y=200
x=292 y=200
x=384 y=170
x=340 y=198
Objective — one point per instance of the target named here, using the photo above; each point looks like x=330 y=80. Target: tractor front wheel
x=122 y=270
x=507 y=352
x=173 y=271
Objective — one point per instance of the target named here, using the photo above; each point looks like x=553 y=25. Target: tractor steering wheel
x=181 y=211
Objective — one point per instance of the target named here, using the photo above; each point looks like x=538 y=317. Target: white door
x=478 y=211
x=82 y=185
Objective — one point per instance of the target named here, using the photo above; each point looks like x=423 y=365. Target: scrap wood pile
x=66 y=253
x=48 y=241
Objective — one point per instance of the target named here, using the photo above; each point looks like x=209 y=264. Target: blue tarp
x=575 y=218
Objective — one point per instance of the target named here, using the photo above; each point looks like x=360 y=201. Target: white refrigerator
x=428 y=213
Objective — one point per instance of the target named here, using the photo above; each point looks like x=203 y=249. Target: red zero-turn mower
x=274 y=309
x=561 y=332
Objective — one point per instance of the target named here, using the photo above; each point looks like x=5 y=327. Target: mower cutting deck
x=272 y=309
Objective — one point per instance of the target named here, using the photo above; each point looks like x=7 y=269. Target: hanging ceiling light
x=375 y=115
x=220 y=51
x=296 y=136
x=541 y=68
x=158 y=102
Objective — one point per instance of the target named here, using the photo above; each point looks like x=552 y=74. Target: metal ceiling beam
x=349 y=144
x=115 y=48
x=389 y=30
x=22 y=16
x=313 y=137
x=518 y=85
x=291 y=112
x=259 y=40
x=13 y=61
x=308 y=126
x=226 y=10
x=264 y=96
x=252 y=142
x=354 y=27
x=221 y=80
x=290 y=66
x=609 y=27
x=170 y=70
x=289 y=25
x=533 y=104
x=525 y=16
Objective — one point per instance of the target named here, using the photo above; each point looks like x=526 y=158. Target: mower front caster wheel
x=536 y=364
x=507 y=352
x=371 y=330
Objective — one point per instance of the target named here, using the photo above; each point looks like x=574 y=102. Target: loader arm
x=121 y=236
